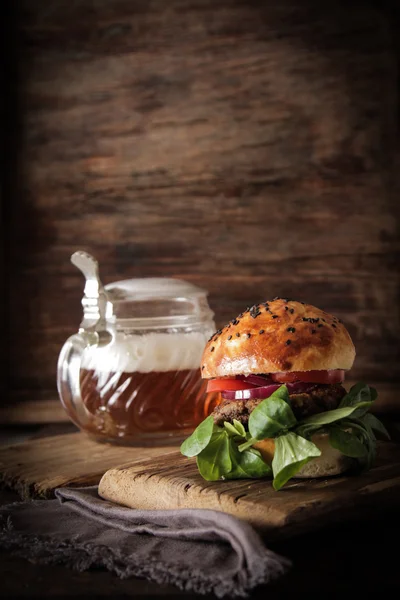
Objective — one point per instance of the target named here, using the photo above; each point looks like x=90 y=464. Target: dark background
x=248 y=147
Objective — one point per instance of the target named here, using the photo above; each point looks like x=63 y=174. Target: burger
x=284 y=411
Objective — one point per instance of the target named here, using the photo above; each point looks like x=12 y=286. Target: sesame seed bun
x=278 y=336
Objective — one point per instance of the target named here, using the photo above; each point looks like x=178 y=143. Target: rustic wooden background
x=249 y=147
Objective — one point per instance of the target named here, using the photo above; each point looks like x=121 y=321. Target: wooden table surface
x=349 y=560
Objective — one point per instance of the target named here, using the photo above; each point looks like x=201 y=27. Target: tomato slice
x=333 y=376
x=222 y=384
x=227 y=384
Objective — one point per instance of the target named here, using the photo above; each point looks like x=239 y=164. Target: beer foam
x=146 y=353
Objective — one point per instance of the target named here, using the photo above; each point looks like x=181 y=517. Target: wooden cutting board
x=172 y=481
x=36 y=468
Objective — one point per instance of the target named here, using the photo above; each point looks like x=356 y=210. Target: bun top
x=275 y=336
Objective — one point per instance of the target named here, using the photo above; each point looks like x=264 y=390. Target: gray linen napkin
x=197 y=550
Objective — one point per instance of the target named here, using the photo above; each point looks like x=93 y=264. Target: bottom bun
x=331 y=461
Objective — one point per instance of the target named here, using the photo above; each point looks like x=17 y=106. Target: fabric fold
x=198 y=550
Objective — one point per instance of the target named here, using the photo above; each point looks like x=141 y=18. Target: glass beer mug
x=132 y=372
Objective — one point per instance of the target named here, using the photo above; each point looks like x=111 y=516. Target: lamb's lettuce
x=271 y=417
x=214 y=461
x=221 y=458
x=227 y=452
x=292 y=452
x=346 y=442
x=199 y=439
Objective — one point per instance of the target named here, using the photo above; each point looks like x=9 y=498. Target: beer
x=143 y=385
x=124 y=404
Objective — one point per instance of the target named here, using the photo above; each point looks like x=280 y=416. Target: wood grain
x=36 y=468
x=28 y=410
x=173 y=482
x=248 y=147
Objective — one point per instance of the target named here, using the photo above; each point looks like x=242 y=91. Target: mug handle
x=69 y=368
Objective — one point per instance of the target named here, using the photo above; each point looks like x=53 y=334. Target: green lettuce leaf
x=271 y=417
x=330 y=416
x=374 y=425
x=247 y=464
x=347 y=443
x=221 y=459
x=214 y=461
x=292 y=452
x=359 y=393
x=199 y=439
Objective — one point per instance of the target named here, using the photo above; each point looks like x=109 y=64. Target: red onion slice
x=265 y=391
x=258 y=380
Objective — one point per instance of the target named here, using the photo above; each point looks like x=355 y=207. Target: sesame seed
x=212 y=349
x=254 y=315
x=248 y=335
x=255 y=311
x=203 y=367
x=229 y=337
x=274 y=316
x=291 y=329
x=291 y=310
x=261 y=331
x=288 y=342
x=238 y=335
x=286 y=308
